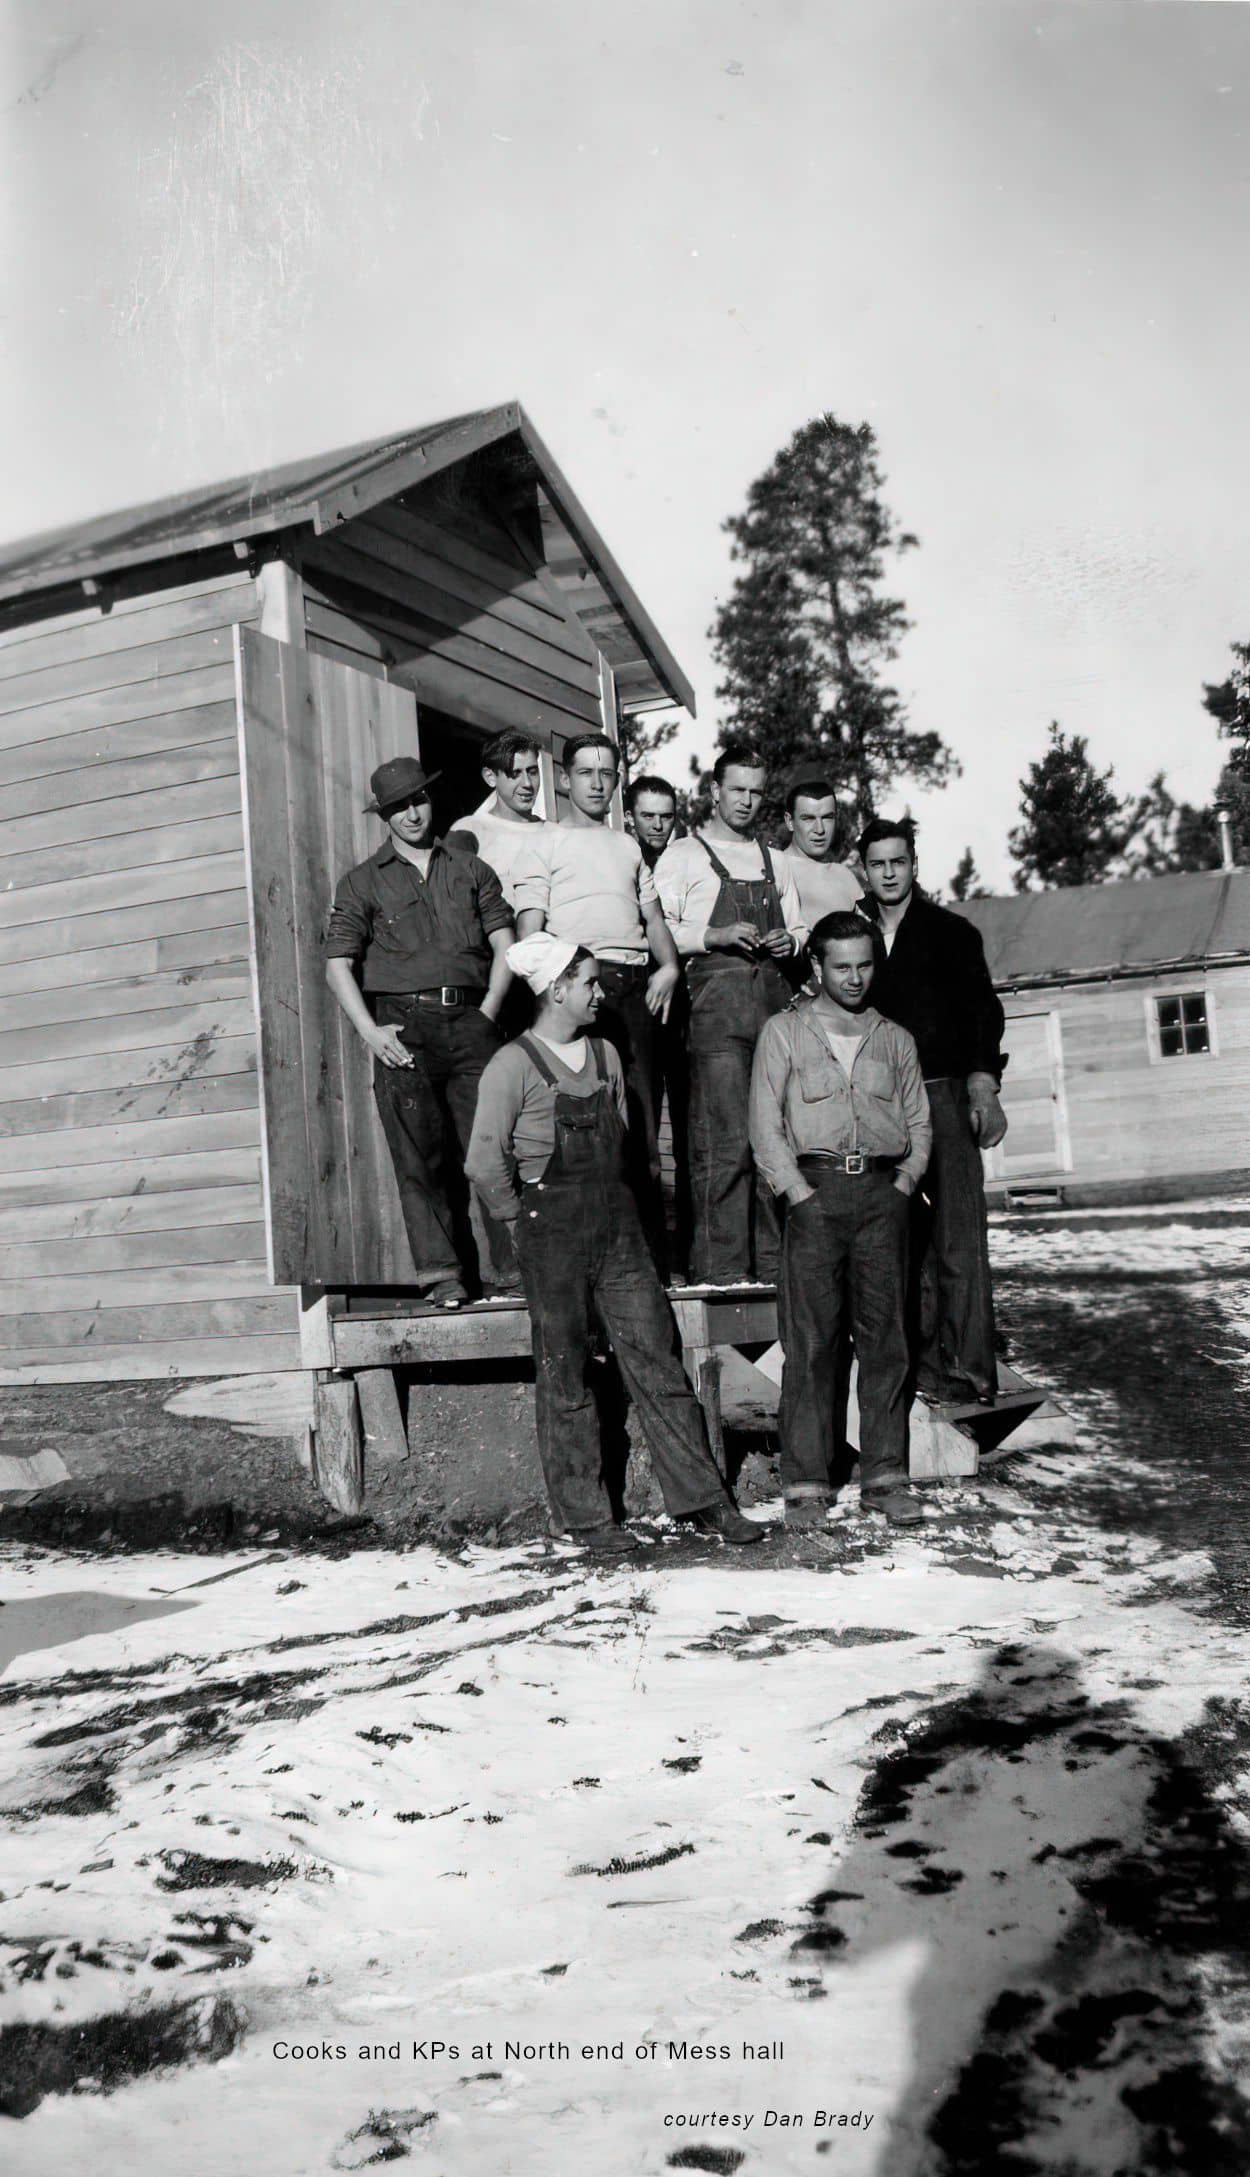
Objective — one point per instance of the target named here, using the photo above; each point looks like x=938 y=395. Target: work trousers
x=585 y=1263
x=736 y=1232
x=844 y=1264
x=953 y=1305
x=635 y=1035
x=427 y=1111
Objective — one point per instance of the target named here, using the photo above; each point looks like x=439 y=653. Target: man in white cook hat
x=547 y=1156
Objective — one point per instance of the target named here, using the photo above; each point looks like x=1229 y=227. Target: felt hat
x=398 y=782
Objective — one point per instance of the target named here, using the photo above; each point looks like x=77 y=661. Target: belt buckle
x=449 y=994
x=855 y=1163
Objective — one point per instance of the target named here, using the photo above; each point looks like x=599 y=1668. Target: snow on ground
x=525 y=1809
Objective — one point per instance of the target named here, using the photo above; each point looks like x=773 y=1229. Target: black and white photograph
x=625 y=1088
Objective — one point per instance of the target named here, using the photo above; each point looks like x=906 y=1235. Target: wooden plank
x=113 y=762
x=391 y=532
x=118 y=706
x=473 y=1335
x=486 y=704
x=340 y=654
x=337 y=628
x=152 y=1139
x=99 y=1182
x=401 y=609
x=477 y=546
x=68 y=682
x=204 y=948
x=128 y=995
x=280 y=596
x=155 y=1066
x=204 y=1317
x=195 y=1098
x=196 y=1245
x=179 y=599
x=172 y=1358
x=132 y=812
x=182 y=1019
x=160 y=1100
x=432 y=585
x=203 y=910
x=172 y=1212
x=22 y=1298
x=338 y=1467
x=312 y=732
x=193 y=874
x=51 y=867
x=381 y=1420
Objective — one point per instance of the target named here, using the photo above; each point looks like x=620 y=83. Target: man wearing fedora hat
x=428 y=931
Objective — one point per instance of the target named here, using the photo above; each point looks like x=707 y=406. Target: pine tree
x=966 y=883
x=1073 y=822
x=807 y=630
x=1228 y=701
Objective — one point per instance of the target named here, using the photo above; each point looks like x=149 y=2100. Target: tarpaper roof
x=330 y=490
x=1082 y=932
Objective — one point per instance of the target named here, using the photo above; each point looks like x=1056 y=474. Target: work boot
x=724 y=1519
x=448 y=1294
x=898 y=1503
x=805 y=1512
x=607 y=1540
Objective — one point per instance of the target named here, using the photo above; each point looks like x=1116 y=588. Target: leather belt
x=447 y=994
x=850 y=1161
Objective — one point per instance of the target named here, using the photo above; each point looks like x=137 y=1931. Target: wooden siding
x=449 y=602
x=1128 y=1117
x=131 y=1211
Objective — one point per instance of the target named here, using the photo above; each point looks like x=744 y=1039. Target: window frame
x=1153 y=998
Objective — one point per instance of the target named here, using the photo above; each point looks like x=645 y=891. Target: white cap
x=539 y=959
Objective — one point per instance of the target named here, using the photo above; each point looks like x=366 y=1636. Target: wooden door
x=1033 y=1096
x=311 y=732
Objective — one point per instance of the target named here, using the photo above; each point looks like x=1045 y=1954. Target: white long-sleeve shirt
x=688 y=886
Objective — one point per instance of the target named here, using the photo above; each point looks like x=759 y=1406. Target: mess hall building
x=192 y=698
x=1128 y=1037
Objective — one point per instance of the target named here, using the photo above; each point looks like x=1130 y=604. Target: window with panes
x=1184 y=1028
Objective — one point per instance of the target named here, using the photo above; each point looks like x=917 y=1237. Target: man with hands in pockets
x=840 y=1129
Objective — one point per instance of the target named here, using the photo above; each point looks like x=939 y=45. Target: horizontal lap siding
x=1131 y=1119
x=450 y=605
x=132 y=1234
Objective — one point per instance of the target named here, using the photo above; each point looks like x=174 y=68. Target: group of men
x=828 y=1041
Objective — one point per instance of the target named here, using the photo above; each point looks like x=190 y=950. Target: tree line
x=804 y=641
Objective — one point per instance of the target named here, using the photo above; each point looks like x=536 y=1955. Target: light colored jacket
x=802 y=1099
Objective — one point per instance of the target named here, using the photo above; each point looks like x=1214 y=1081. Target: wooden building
x=192 y=697
x=1128 y=1034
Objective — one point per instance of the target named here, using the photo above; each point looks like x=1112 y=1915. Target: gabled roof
x=322 y=493
x=1088 y=932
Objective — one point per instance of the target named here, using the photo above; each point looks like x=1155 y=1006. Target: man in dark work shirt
x=429 y=931
x=932 y=979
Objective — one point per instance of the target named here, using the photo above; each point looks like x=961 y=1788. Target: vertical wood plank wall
x=131 y=1217
x=1129 y=1118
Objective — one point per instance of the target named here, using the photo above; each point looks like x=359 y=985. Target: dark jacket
x=935 y=983
x=413 y=932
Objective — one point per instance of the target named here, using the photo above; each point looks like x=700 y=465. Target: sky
x=1010 y=237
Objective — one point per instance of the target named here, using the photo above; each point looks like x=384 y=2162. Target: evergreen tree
x=1073 y=822
x=966 y=883
x=806 y=632
x=1229 y=704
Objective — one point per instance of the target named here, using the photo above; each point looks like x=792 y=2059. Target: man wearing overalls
x=547 y=1155
x=735 y=915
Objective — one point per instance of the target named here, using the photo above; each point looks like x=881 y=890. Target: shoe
x=899 y=1504
x=510 y=1296
x=725 y=1520
x=448 y=1294
x=607 y=1540
x=805 y=1512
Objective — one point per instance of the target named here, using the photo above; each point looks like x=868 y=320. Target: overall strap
x=596 y=1045
x=713 y=858
x=769 y=871
x=532 y=1051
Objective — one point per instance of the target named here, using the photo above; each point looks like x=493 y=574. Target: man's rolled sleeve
x=490 y=1162
x=766 y=1127
x=493 y=909
x=531 y=879
x=349 y=925
x=914 y=1098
